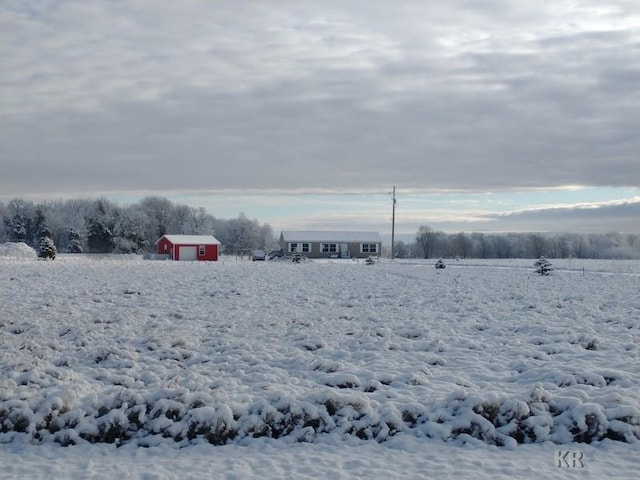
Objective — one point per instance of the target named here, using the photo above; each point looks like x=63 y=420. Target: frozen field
x=322 y=369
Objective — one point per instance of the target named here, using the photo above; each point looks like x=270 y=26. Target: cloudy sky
x=501 y=115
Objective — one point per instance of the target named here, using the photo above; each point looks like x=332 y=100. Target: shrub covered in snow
x=180 y=416
x=440 y=264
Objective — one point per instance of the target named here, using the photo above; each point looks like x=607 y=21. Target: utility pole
x=393 y=225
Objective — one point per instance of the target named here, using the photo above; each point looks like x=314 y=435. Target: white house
x=330 y=244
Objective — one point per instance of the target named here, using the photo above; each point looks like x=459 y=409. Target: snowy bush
x=543 y=266
x=182 y=417
x=440 y=264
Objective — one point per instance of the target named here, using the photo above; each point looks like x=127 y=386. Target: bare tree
x=538 y=245
x=426 y=239
x=159 y=210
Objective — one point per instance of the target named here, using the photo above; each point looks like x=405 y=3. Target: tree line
x=430 y=243
x=102 y=226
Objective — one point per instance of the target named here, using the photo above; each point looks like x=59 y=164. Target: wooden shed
x=189 y=247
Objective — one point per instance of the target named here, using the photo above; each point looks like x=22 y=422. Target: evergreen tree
x=74 y=245
x=39 y=227
x=42 y=234
x=47 y=248
x=17 y=229
x=99 y=236
x=543 y=266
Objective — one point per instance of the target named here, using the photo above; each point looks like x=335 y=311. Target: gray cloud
x=201 y=95
x=618 y=217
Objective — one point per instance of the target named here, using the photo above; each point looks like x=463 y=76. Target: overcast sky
x=500 y=115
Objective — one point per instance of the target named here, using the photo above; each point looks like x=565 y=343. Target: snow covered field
x=151 y=369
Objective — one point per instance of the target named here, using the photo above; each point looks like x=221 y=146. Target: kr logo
x=569 y=458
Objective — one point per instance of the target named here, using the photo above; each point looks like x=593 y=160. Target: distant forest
x=101 y=226
x=435 y=244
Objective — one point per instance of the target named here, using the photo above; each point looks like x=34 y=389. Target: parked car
x=258 y=255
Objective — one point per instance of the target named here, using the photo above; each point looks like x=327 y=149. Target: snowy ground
x=151 y=369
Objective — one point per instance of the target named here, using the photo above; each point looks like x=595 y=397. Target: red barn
x=189 y=247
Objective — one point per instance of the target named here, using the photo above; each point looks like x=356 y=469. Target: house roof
x=329 y=236
x=192 y=239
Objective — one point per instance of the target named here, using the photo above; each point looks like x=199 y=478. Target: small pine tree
x=440 y=264
x=543 y=266
x=47 y=248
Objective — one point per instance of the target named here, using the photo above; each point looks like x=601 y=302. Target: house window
x=369 y=248
x=166 y=248
x=329 y=247
x=201 y=250
x=299 y=247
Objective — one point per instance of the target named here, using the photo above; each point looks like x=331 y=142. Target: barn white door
x=187 y=253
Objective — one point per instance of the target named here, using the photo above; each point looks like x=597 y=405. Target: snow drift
x=17 y=250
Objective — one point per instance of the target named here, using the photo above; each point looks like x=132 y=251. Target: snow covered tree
x=39 y=227
x=129 y=232
x=159 y=212
x=99 y=236
x=100 y=226
x=239 y=235
x=543 y=266
x=17 y=229
x=74 y=245
x=440 y=264
x=42 y=236
x=18 y=221
x=47 y=248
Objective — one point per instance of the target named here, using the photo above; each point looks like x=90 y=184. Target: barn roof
x=192 y=239
x=330 y=236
